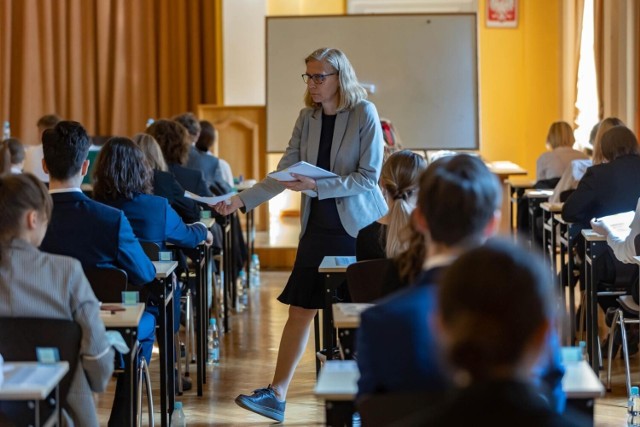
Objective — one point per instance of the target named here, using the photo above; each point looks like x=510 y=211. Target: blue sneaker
x=263 y=402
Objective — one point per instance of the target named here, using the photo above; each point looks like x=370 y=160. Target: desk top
x=164 y=268
x=338 y=380
x=30 y=380
x=505 y=168
x=580 y=382
x=591 y=236
x=551 y=207
x=347 y=315
x=538 y=194
x=128 y=318
x=520 y=182
x=335 y=264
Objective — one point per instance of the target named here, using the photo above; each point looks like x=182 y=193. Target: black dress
x=371 y=242
x=323 y=236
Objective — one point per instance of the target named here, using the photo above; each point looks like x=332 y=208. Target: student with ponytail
x=389 y=236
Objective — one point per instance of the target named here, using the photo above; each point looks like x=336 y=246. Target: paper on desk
x=340 y=366
x=304 y=169
x=117 y=342
x=618 y=224
x=353 y=309
x=344 y=260
x=209 y=200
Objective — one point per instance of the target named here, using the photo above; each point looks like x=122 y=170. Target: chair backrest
x=372 y=279
x=383 y=409
x=107 y=283
x=152 y=250
x=19 y=337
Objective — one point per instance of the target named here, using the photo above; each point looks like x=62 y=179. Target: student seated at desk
x=494 y=317
x=458 y=208
x=11 y=156
x=551 y=165
x=174 y=142
x=606 y=189
x=388 y=236
x=574 y=173
x=95 y=234
x=37 y=284
x=164 y=183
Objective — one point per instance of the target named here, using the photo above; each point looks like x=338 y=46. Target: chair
x=19 y=337
x=108 y=285
x=372 y=279
x=627 y=305
x=383 y=409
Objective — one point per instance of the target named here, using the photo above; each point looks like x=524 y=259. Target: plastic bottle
x=178 y=419
x=583 y=350
x=255 y=270
x=633 y=408
x=6 y=131
x=213 y=343
x=150 y=121
x=244 y=297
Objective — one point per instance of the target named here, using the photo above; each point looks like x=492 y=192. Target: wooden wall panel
x=242 y=143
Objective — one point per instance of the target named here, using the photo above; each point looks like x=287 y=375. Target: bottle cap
x=254 y=256
x=177 y=405
x=212 y=321
x=634 y=391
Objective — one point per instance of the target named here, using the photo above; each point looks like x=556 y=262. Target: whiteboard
x=424 y=68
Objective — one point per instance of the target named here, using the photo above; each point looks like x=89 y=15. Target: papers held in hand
x=304 y=169
x=618 y=224
x=209 y=200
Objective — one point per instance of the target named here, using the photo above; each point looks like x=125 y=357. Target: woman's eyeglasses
x=317 y=78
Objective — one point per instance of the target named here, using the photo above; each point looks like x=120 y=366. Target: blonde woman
x=389 y=236
x=339 y=130
x=552 y=164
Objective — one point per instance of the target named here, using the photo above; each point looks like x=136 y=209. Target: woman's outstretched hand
x=300 y=184
x=229 y=206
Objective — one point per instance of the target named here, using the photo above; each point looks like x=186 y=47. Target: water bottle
x=6 y=131
x=213 y=343
x=583 y=350
x=239 y=293
x=255 y=270
x=244 y=297
x=178 y=419
x=633 y=408
x=150 y=121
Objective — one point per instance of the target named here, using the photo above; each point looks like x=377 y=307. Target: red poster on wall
x=502 y=13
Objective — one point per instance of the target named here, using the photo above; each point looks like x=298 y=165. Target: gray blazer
x=38 y=284
x=356 y=156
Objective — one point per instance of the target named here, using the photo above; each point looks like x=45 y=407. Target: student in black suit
x=165 y=184
x=174 y=142
x=606 y=189
x=494 y=316
x=200 y=158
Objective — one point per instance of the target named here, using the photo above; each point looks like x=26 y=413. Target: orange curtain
x=578 y=13
x=110 y=64
x=598 y=47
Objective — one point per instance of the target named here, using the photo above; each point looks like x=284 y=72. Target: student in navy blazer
x=174 y=141
x=95 y=234
x=397 y=351
x=123 y=180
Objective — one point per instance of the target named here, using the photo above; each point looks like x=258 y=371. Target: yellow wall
x=520 y=81
x=520 y=91
x=305 y=7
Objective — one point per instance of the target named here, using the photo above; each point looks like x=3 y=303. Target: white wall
x=243 y=41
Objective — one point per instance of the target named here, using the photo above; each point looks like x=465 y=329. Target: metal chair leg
x=612 y=333
x=178 y=364
x=187 y=330
x=625 y=349
x=147 y=382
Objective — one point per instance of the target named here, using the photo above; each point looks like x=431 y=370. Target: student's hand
x=599 y=227
x=209 y=240
x=300 y=184
x=228 y=206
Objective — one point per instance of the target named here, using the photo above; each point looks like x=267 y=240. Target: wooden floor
x=247 y=360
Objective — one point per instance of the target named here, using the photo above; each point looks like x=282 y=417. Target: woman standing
x=338 y=131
